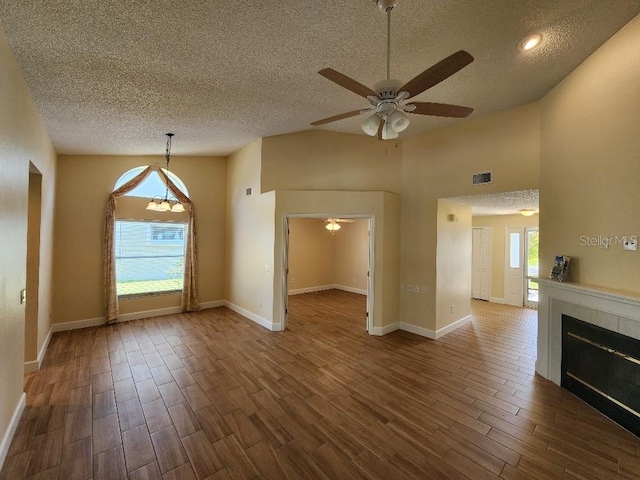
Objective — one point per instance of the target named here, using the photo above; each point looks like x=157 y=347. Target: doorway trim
x=282 y=315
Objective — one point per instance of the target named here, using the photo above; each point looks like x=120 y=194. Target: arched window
x=150 y=252
x=152 y=185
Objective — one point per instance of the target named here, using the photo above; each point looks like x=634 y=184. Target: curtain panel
x=189 y=300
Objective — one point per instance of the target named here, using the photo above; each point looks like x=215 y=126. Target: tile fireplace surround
x=610 y=309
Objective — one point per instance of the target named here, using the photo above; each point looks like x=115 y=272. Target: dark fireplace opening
x=602 y=368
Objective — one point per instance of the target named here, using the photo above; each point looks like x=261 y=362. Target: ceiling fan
x=390 y=99
x=333 y=224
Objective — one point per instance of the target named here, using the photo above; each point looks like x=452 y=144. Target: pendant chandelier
x=166 y=204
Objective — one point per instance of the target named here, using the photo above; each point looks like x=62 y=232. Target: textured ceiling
x=507 y=203
x=111 y=77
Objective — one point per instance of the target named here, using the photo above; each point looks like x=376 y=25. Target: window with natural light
x=150 y=254
x=149 y=257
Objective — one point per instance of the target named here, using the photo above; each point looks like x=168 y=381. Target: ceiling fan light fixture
x=399 y=121
x=388 y=133
x=530 y=42
x=332 y=226
x=370 y=125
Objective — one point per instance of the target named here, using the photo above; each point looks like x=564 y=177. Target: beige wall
x=453 y=263
x=498 y=225
x=440 y=164
x=591 y=164
x=318 y=259
x=24 y=139
x=351 y=261
x=323 y=160
x=84 y=185
x=383 y=207
x=311 y=254
x=250 y=235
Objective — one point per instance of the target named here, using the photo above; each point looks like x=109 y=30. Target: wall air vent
x=482 y=178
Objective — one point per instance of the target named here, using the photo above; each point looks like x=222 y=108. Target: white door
x=514 y=266
x=480 y=263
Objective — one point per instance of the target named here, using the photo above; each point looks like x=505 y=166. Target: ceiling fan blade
x=437 y=73
x=346 y=82
x=441 y=110
x=336 y=117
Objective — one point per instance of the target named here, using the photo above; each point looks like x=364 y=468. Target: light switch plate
x=23 y=296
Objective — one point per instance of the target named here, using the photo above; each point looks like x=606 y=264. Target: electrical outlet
x=260 y=303
x=266 y=267
x=425 y=291
x=453 y=308
x=23 y=296
x=293 y=281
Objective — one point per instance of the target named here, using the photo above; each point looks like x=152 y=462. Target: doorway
x=34 y=205
x=353 y=261
x=481 y=262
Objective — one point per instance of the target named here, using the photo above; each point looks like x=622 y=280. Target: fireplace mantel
x=614 y=310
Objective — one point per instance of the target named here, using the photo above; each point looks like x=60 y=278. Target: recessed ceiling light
x=530 y=42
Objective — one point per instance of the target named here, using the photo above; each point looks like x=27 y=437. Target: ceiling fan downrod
x=386 y=6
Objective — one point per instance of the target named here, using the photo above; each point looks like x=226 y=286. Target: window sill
x=133 y=296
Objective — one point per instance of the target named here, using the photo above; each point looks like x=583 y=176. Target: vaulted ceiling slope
x=111 y=77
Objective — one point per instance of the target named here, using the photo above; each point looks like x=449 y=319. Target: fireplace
x=602 y=352
x=602 y=367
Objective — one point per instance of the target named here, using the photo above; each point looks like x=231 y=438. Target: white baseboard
x=433 y=335
x=252 y=316
x=499 y=300
x=320 y=288
x=423 y=332
x=452 y=326
x=11 y=428
x=34 y=366
x=127 y=317
x=214 y=304
x=88 y=322
x=379 y=331
x=335 y=286
x=359 y=291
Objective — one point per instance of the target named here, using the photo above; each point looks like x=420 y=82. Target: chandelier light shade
x=166 y=203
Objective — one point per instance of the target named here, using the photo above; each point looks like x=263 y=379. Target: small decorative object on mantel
x=560 y=268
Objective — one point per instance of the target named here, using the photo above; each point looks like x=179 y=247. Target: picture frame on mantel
x=560 y=268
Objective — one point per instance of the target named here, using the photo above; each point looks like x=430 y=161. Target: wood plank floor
x=212 y=395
